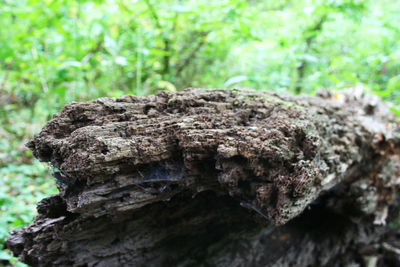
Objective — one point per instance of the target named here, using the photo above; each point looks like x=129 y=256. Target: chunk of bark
x=214 y=177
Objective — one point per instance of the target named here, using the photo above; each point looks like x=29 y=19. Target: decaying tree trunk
x=218 y=178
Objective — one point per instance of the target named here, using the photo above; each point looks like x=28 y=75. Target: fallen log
x=218 y=178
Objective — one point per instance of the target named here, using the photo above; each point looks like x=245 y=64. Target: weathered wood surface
x=217 y=178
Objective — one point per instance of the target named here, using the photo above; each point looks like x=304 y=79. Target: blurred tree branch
x=311 y=33
x=192 y=54
x=166 y=40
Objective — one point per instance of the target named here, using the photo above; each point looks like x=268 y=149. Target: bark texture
x=218 y=178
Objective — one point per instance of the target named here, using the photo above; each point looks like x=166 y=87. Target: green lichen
x=249 y=97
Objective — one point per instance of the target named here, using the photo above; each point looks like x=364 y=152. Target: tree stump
x=218 y=178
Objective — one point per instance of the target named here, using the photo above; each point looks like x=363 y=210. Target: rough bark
x=217 y=178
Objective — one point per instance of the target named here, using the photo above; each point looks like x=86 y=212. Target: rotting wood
x=217 y=178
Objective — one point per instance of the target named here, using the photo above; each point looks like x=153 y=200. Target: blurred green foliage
x=56 y=51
